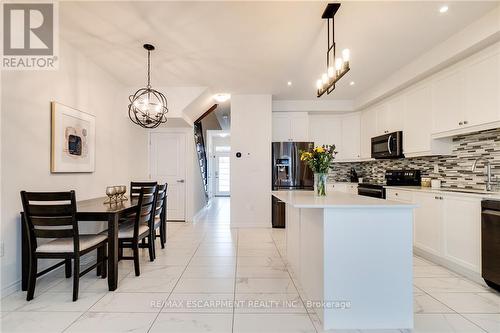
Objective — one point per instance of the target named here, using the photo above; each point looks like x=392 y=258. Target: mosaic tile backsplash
x=454 y=170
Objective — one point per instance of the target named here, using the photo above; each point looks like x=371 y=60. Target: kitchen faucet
x=488 y=171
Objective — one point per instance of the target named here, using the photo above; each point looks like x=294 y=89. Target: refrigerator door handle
x=294 y=162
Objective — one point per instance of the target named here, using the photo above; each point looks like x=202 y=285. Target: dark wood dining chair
x=130 y=234
x=53 y=215
x=136 y=187
x=160 y=215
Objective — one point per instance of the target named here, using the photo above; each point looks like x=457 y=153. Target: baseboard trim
x=11 y=288
x=16 y=285
x=198 y=214
x=250 y=225
x=471 y=275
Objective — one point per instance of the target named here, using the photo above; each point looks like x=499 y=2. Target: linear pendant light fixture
x=336 y=67
x=148 y=107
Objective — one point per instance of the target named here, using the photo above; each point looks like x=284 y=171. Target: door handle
x=180 y=180
x=389 y=144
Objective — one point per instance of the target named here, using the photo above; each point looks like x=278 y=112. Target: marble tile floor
x=214 y=278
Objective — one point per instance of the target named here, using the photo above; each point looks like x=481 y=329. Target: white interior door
x=168 y=164
x=222 y=175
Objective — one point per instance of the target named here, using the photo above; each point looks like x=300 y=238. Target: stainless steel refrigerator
x=289 y=173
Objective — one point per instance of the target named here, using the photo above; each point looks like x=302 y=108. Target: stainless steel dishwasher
x=490 y=243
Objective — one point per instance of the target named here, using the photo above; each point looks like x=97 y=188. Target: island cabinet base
x=354 y=265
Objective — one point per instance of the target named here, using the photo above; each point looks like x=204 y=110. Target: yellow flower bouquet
x=319 y=160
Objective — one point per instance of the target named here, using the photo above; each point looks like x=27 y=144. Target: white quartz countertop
x=465 y=193
x=306 y=199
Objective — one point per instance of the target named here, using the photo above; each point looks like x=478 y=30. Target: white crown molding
x=315 y=105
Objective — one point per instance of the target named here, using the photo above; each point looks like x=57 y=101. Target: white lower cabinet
x=398 y=195
x=462 y=231
x=351 y=188
x=428 y=221
x=446 y=226
x=337 y=187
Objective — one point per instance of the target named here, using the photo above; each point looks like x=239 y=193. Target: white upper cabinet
x=325 y=130
x=350 y=144
x=290 y=126
x=390 y=116
x=281 y=127
x=482 y=90
x=396 y=109
x=368 y=131
x=417 y=120
x=299 y=126
x=448 y=101
x=466 y=97
x=382 y=118
x=341 y=130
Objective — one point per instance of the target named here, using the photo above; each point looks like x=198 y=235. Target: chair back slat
x=47 y=221
x=49 y=196
x=144 y=208
x=135 y=187
x=51 y=210
x=50 y=215
x=53 y=233
x=161 y=193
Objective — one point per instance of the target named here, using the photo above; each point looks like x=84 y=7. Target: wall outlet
x=436 y=168
x=1 y=249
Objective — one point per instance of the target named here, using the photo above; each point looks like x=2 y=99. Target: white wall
x=121 y=154
x=251 y=174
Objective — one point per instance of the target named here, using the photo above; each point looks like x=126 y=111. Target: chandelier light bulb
x=222 y=97
x=331 y=72
x=346 y=55
x=319 y=84
x=338 y=64
x=324 y=78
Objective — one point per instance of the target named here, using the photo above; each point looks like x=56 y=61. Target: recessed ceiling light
x=222 y=97
x=289 y=83
x=443 y=9
x=352 y=83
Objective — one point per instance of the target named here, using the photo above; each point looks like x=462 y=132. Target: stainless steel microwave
x=388 y=145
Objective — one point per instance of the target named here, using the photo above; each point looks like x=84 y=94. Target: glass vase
x=320 y=184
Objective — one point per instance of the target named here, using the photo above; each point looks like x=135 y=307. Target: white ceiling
x=256 y=47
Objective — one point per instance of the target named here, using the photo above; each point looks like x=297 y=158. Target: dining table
x=91 y=210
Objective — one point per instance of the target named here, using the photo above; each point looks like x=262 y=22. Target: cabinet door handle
x=460 y=123
x=465 y=122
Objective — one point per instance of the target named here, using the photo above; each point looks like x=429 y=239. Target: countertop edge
x=290 y=198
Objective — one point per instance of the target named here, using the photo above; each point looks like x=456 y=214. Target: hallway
x=217 y=211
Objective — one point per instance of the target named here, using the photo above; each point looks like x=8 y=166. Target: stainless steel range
x=392 y=178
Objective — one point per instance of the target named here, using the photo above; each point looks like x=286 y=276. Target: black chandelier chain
x=149 y=69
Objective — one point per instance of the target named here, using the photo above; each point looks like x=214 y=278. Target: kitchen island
x=352 y=257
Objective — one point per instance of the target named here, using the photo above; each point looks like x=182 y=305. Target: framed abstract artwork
x=72 y=140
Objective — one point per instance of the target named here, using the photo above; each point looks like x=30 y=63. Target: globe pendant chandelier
x=148 y=107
